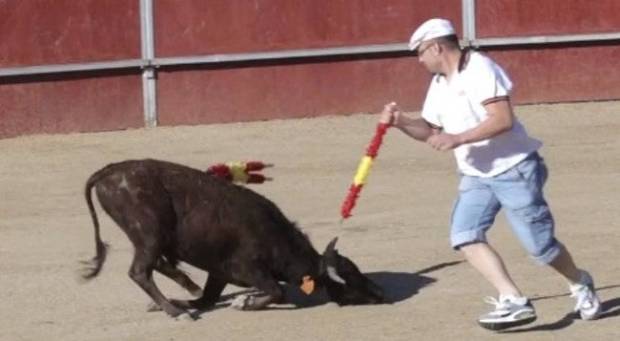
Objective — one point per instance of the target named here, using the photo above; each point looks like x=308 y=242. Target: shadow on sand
x=397 y=286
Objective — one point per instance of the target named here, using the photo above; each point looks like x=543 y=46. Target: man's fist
x=390 y=114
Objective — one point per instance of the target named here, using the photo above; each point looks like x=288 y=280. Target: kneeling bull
x=174 y=213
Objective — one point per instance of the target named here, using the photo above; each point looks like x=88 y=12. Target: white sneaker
x=588 y=304
x=509 y=312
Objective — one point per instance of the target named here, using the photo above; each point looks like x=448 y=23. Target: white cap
x=432 y=28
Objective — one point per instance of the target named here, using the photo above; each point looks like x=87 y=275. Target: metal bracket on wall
x=149 y=71
x=77 y=67
x=468 y=11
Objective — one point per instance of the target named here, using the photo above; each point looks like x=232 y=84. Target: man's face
x=428 y=55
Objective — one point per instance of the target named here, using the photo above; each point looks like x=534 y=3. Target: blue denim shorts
x=519 y=192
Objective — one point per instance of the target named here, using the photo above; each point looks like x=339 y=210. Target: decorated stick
x=363 y=169
x=240 y=172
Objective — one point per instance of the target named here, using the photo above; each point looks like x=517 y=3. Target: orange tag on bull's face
x=307 y=285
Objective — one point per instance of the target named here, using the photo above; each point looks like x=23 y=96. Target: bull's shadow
x=397 y=286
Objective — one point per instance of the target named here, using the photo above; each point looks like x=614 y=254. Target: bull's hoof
x=243 y=302
x=185 y=317
x=196 y=292
x=153 y=307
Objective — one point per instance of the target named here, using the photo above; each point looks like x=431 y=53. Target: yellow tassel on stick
x=362 y=171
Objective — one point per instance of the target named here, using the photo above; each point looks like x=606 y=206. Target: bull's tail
x=94 y=265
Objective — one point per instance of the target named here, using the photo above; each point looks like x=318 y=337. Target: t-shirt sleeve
x=431 y=109
x=491 y=83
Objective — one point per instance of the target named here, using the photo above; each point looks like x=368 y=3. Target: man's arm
x=499 y=121
x=418 y=128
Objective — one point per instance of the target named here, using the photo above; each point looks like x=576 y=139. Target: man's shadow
x=609 y=308
x=397 y=286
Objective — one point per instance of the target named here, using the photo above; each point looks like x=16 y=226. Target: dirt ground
x=398 y=233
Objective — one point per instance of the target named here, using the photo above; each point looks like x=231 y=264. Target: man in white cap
x=467 y=110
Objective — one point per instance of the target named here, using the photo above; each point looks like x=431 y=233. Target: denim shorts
x=519 y=192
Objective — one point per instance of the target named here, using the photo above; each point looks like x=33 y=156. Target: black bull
x=174 y=213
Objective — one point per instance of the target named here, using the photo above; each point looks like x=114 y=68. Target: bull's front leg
x=273 y=293
x=248 y=302
x=212 y=292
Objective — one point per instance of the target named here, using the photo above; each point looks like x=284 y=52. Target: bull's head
x=344 y=282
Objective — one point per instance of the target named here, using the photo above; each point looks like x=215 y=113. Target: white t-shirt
x=459 y=106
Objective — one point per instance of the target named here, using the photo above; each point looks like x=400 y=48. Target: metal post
x=469 y=21
x=149 y=74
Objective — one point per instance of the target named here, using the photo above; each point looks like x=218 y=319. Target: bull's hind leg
x=262 y=280
x=212 y=292
x=165 y=268
x=141 y=272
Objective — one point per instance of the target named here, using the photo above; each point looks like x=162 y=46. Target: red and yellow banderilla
x=364 y=166
x=240 y=171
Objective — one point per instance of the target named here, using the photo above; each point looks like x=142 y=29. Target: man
x=468 y=110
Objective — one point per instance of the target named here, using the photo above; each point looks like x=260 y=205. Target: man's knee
x=546 y=253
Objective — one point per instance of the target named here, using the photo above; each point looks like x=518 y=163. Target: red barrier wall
x=563 y=74
x=197 y=27
x=555 y=73
x=297 y=90
x=40 y=32
x=503 y=18
x=53 y=104
x=306 y=89
x=36 y=32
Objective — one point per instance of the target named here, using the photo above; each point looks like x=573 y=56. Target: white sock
x=519 y=300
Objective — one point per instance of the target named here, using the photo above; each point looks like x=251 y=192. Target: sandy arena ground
x=398 y=233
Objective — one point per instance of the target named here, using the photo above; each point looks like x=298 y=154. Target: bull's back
x=209 y=222
x=224 y=226
x=134 y=197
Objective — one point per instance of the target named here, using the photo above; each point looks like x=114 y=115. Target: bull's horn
x=333 y=274
x=331 y=247
x=330 y=261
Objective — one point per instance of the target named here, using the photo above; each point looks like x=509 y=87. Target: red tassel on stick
x=373 y=147
x=349 y=201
